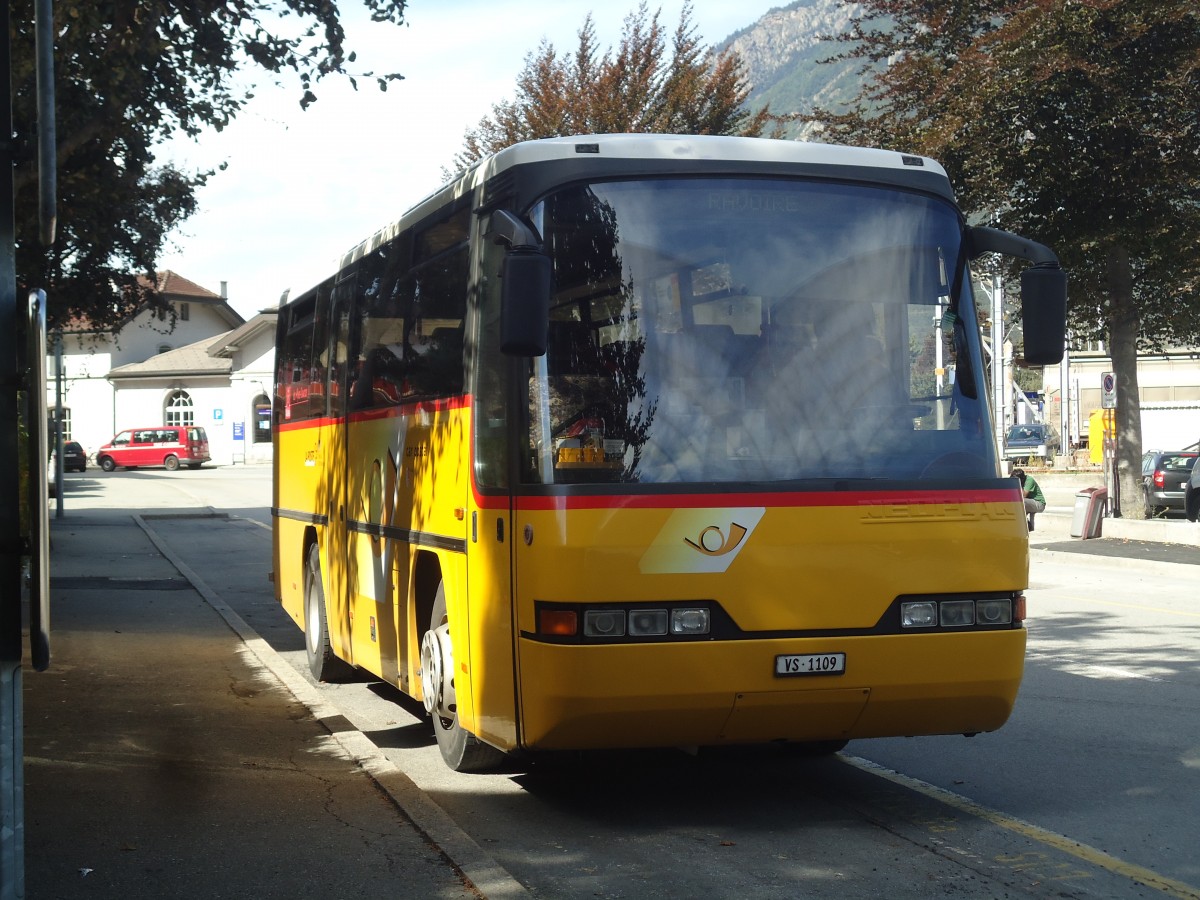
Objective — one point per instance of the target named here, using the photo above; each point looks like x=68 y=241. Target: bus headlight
x=647 y=622
x=994 y=612
x=604 y=623
x=918 y=614
x=683 y=621
x=689 y=621
x=957 y=613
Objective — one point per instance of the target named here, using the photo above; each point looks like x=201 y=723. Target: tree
x=639 y=89
x=1072 y=121
x=129 y=74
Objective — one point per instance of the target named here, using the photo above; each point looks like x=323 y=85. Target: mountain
x=782 y=53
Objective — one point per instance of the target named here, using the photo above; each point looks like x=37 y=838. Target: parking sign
x=1108 y=391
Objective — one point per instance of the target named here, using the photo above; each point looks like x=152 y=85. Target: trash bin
x=1087 y=521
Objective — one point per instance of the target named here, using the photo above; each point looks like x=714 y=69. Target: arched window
x=178 y=409
x=262 y=419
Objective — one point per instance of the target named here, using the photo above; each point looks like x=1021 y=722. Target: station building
x=211 y=367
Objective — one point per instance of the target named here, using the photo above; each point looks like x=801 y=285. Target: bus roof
x=690 y=151
x=702 y=147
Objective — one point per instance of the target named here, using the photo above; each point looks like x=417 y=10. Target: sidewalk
x=162 y=760
x=1171 y=540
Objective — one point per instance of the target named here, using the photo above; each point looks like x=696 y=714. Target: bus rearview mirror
x=1044 y=314
x=525 y=303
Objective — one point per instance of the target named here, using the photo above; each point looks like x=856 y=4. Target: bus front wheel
x=461 y=750
x=322 y=662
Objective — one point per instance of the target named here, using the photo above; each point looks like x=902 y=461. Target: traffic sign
x=1108 y=391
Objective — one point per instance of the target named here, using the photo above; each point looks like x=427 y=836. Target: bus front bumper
x=714 y=693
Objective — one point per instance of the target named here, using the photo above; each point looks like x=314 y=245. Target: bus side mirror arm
x=525 y=281
x=1043 y=292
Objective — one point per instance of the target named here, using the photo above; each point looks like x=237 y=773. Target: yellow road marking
x=1071 y=847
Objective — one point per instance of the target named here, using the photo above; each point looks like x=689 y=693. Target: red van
x=162 y=445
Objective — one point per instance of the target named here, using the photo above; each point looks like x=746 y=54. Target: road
x=1089 y=791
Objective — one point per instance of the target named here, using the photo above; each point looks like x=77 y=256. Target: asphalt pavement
x=169 y=753
x=164 y=758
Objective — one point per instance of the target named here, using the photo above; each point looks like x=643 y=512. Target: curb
x=487 y=876
x=1113 y=562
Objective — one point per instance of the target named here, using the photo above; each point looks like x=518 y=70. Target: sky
x=303 y=187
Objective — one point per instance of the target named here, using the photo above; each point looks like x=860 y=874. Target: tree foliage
x=640 y=88
x=1074 y=122
x=129 y=75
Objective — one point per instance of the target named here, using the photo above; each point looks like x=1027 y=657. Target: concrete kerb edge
x=1112 y=562
x=487 y=876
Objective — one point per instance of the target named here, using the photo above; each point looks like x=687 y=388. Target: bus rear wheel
x=171 y=462
x=322 y=662
x=461 y=750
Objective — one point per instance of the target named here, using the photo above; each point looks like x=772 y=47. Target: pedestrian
x=1035 y=500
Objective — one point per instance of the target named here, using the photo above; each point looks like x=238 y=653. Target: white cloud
x=301 y=188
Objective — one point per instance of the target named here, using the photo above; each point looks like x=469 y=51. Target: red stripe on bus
x=757 y=498
x=404 y=409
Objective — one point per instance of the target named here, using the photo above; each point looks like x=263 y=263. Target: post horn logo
x=719 y=545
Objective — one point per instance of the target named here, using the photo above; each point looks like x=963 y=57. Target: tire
x=322 y=662
x=107 y=464
x=461 y=750
x=193 y=465
x=171 y=462
x=1151 y=509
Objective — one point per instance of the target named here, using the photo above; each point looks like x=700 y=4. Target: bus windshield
x=733 y=330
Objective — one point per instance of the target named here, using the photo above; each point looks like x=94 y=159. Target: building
x=212 y=369
x=1168 y=391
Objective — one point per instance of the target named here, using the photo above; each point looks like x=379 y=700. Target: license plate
x=810 y=664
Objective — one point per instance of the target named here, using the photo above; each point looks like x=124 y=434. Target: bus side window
x=378 y=348
x=436 y=341
x=439 y=308
x=336 y=357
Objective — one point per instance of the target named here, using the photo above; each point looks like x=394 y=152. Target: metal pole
x=47 y=122
x=58 y=423
x=998 y=387
x=12 y=777
x=1064 y=407
x=939 y=364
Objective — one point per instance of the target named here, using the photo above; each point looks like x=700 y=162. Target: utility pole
x=12 y=782
x=13 y=545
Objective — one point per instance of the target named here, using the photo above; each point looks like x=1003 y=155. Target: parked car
x=1165 y=474
x=1031 y=442
x=74 y=457
x=162 y=445
x=1191 y=495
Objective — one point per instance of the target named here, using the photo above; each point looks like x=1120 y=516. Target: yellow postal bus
x=652 y=441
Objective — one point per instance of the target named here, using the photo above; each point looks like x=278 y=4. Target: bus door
x=332 y=494
x=379 y=498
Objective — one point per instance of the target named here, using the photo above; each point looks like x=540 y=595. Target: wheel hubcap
x=311 y=621
x=437 y=667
